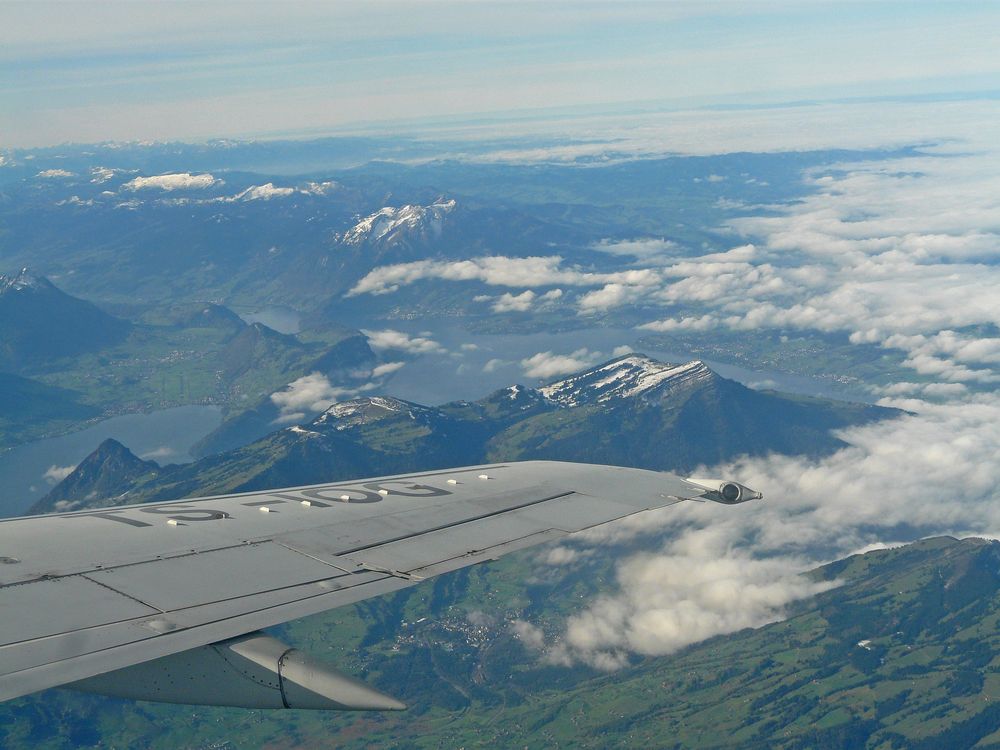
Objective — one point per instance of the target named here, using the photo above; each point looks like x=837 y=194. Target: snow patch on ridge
x=365 y=410
x=176 y=181
x=22 y=281
x=263 y=192
x=623 y=378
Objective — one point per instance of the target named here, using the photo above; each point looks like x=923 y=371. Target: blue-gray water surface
x=27 y=472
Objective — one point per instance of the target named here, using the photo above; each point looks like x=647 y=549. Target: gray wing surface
x=86 y=593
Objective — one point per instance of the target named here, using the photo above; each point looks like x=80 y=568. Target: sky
x=86 y=71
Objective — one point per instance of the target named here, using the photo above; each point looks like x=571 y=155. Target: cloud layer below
x=933 y=472
x=902 y=252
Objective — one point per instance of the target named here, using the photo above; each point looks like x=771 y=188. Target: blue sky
x=87 y=71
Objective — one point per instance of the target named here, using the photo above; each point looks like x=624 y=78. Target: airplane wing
x=156 y=601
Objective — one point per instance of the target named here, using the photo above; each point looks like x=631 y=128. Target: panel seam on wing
x=122 y=593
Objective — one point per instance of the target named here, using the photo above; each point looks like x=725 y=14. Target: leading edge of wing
x=533 y=502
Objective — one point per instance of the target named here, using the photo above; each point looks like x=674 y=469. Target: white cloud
x=883 y=124
x=479 y=618
x=158 y=454
x=943 y=355
x=548 y=364
x=387 y=368
x=530 y=635
x=61 y=506
x=175 y=181
x=689 y=323
x=900 y=252
x=494 y=364
x=495 y=270
x=648 y=247
x=523 y=302
x=560 y=555
x=55 y=474
x=944 y=390
x=391 y=339
x=739 y=254
x=508 y=302
x=933 y=472
x=56 y=173
x=672 y=600
x=610 y=296
x=724 y=279
x=717 y=276
x=310 y=393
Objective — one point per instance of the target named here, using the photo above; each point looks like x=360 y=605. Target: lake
x=163 y=436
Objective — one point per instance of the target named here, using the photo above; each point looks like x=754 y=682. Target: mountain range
x=64 y=361
x=249 y=239
x=632 y=411
x=145 y=226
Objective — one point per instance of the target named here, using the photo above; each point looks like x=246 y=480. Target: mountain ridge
x=391 y=225
x=107 y=472
x=39 y=323
x=685 y=416
x=624 y=377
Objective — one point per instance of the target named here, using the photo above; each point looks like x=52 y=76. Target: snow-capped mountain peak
x=389 y=222
x=21 y=281
x=263 y=192
x=359 y=411
x=625 y=377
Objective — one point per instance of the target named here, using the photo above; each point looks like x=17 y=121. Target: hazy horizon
x=87 y=72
